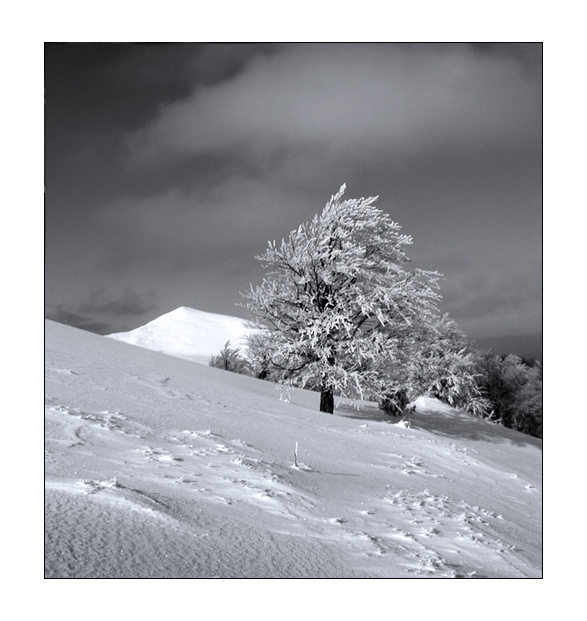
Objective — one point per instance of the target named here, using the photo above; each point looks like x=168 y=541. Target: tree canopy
x=338 y=299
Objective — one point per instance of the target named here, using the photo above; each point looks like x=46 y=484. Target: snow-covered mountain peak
x=188 y=333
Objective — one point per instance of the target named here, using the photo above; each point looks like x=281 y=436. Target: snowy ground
x=160 y=467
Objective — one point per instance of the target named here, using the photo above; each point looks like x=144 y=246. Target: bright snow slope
x=188 y=333
x=159 y=467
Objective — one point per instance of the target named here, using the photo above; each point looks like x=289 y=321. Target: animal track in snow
x=438 y=516
x=104 y=419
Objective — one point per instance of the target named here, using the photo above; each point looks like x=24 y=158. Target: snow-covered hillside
x=188 y=333
x=159 y=467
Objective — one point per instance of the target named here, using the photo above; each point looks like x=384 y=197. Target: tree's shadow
x=440 y=419
x=450 y=423
x=369 y=411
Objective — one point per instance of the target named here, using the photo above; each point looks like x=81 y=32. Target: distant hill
x=188 y=333
x=196 y=335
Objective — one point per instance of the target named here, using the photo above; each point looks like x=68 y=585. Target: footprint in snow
x=92 y=487
x=159 y=455
x=337 y=520
x=415 y=466
x=187 y=479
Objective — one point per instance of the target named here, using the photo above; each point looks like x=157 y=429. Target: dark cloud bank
x=168 y=167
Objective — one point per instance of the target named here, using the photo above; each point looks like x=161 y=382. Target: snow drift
x=161 y=468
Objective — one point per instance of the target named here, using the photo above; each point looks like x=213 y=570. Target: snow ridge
x=188 y=333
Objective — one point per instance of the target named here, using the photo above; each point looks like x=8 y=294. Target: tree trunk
x=327 y=400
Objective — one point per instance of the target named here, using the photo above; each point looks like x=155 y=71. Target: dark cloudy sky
x=169 y=167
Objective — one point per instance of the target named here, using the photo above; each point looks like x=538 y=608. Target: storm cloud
x=402 y=99
x=169 y=167
x=96 y=313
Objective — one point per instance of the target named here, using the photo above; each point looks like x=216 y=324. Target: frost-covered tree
x=260 y=351
x=229 y=359
x=514 y=391
x=338 y=298
x=437 y=363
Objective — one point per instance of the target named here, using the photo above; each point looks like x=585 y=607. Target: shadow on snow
x=450 y=423
x=442 y=420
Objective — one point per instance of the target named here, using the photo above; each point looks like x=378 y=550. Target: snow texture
x=157 y=467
